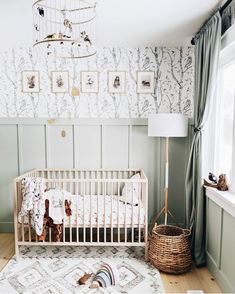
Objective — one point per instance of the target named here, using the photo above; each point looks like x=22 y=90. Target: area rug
x=57 y=269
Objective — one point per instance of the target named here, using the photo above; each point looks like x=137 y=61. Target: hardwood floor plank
x=7 y=248
x=196 y=279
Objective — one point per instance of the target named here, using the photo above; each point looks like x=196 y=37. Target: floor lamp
x=167 y=125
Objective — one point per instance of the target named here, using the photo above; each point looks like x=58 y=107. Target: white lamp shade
x=167 y=125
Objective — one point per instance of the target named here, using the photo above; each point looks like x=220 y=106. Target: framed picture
x=117 y=81
x=145 y=82
x=30 y=81
x=90 y=81
x=60 y=81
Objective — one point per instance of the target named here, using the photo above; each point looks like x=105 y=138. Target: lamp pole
x=166 y=178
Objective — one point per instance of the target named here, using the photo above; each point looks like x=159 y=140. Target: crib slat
x=90 y=212
x=139 y=202
x=126 y=214
x=63 y=221
x=22 y=228
x=70 y=228
x=29 y=226
x=104 y=212
x=64 y=218
x=98 y=196
x=49 y=234
x=76 y=218
x=70 y=190
x=132 y=214
x=111 y=212
x=84 y=228
x=118 y=211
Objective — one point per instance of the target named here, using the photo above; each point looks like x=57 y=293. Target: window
x=225 y=123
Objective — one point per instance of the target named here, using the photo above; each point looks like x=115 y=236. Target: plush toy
x=221 y=185
x=83 y=280
x=212 y=178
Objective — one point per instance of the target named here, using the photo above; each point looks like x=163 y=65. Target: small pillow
x=130 y=188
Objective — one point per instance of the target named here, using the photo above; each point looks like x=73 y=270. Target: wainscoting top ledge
x=224 y=199
x=74 y=121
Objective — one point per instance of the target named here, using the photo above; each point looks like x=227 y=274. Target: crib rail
x=101 y=214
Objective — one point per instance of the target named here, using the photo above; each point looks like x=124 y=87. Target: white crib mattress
x=107 y=212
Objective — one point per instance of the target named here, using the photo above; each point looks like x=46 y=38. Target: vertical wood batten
x=16 y=219
x=74 y=146
x=129 y=145
x=47 y=146
x=19 y=143
x=101 y=146
x=146 y=219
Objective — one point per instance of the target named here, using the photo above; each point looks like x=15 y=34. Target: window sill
x=225 y=199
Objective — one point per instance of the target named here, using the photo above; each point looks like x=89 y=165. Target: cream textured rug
x=52 y=270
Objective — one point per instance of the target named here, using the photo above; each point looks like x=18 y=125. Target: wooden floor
x=196 y=279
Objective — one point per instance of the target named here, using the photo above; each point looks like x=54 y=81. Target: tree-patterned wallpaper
x=173 y=69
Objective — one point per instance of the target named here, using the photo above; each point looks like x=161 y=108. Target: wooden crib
x=101 y=216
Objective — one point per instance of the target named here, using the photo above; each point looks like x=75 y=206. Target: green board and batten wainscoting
x=220 y=238
x=26 y=144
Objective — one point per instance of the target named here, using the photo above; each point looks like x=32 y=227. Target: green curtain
x=207 y=48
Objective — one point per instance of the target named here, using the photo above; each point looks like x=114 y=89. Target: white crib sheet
x=107 y=213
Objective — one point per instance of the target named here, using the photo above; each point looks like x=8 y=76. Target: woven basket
x=169 y=249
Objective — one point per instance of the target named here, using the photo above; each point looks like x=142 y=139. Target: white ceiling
x=128 y=23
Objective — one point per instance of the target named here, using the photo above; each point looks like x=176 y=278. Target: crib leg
x=146 y=257
x=17 y=252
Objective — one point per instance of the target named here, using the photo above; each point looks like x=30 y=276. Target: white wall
x=15 y=23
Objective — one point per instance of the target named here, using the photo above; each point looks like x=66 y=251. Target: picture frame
x=89 y=81
x=60 y=82
x=145 y=82
x=116 y=81
x=30 y=81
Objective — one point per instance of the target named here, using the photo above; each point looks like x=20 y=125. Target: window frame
x=226 y=59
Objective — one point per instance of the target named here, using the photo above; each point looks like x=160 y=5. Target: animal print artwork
x=31 y=81
x=59 y=82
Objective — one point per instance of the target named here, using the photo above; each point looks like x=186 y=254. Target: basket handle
x=187 y=232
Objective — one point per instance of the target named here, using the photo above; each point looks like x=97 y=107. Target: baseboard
x=221 y=279
x=7 y=227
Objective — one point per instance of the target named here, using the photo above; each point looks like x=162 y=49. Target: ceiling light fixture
x=64 y=28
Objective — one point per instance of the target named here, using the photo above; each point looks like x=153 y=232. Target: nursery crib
x=101 y=214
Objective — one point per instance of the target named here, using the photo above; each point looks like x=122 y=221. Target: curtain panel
x=207 y=48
